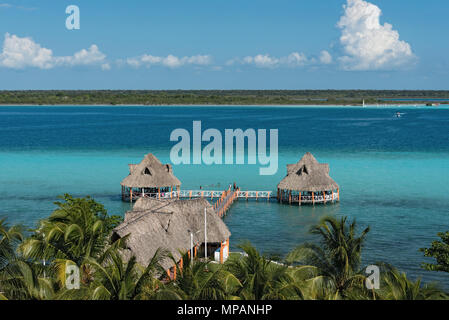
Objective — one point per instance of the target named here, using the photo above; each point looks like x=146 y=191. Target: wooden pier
x=206 y=194
x=307 y=182
x=223 y=204
x=223 y=200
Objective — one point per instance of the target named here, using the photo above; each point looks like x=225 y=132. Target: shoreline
x=225 y=105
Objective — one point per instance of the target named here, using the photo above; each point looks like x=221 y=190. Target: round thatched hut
x=150 y=179
x=169 y=224
x=308 y=182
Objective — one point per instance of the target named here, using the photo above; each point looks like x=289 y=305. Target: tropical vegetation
x=440 y=251
x=33 y=265
x=220 y=97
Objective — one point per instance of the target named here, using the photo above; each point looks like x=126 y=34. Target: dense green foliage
x=78 y=233
x=337 y=260
x=216 y=97
x=440 y=251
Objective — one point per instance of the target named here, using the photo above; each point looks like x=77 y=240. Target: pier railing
x=223 y=204
x=185 y=194
x=316 y=198
x=224 y=199
x=207 y=194
x=254 y=195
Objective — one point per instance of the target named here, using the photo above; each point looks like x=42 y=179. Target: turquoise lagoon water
x=393 y=172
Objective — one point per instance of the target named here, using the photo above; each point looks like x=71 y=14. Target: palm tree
x=199 y=280
x=396 y=286
x=19 y=278
x=10 y=237
x=26 y=280
x=261 y=278
x=334 y=267
x=116 y=279
x=74 y=234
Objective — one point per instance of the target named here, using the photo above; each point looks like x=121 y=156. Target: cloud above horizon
x=20 y=53
x=11 y=6
x=293 y=60
x=325 y=57
x=367 y=44
x=169 y=61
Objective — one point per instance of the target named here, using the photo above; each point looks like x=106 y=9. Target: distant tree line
x=219 y=97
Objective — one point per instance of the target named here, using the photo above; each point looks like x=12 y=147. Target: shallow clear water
x=393 y=172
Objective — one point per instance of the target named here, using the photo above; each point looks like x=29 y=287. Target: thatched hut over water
x=308 y=181
x=149 y=178
x=168 y=224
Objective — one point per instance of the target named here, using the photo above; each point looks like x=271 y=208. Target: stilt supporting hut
x=169 y=224
x=150 y=179
x=308 y=182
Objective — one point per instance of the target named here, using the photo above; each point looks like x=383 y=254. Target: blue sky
x=233 y=44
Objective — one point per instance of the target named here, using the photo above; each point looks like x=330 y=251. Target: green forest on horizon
x=221 y=97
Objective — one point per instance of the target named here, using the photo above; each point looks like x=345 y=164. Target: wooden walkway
x=223 y=204
x=207 y=194
x=223 y=200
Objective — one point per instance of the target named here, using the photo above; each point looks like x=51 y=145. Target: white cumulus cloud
x=91 y=56
x=11 y=6
x=294 y=59
x=367 y=44
x=262 y=61
x=169 y=61
x=20 y=53
x=325 y=57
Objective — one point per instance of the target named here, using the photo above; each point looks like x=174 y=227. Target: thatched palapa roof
x=150 y=173
x=164 y=224
x=308 y=175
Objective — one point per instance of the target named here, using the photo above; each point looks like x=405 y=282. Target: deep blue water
x=393 y=172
